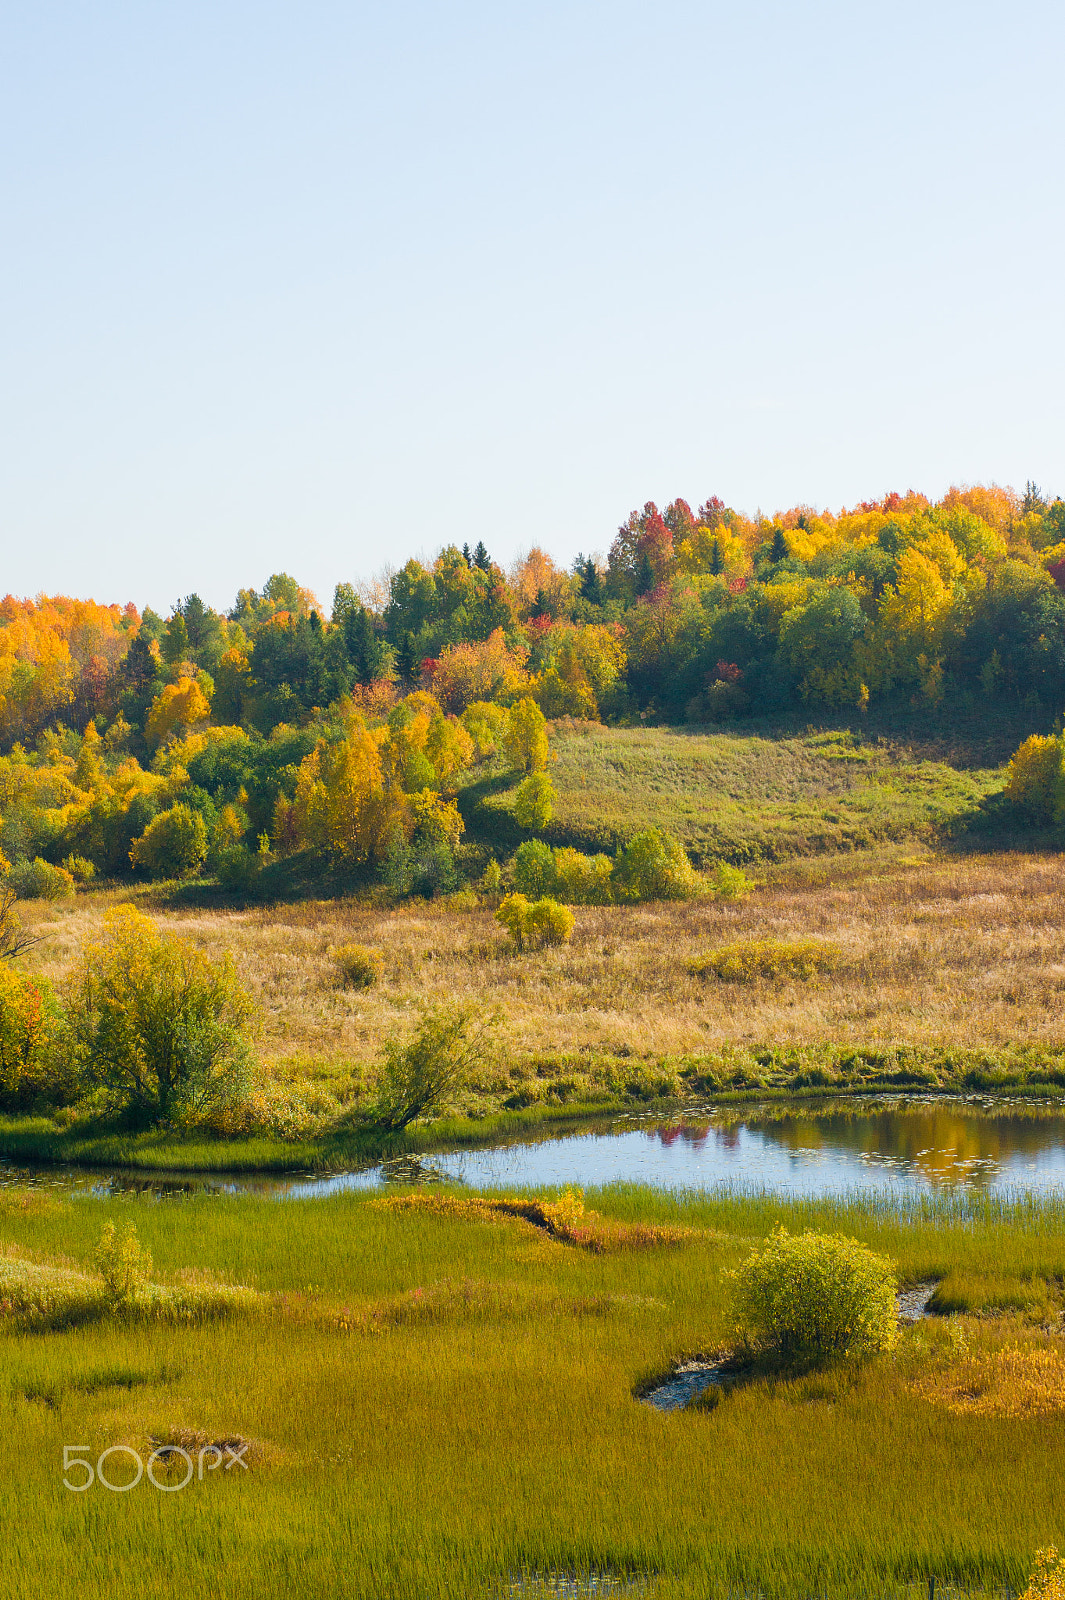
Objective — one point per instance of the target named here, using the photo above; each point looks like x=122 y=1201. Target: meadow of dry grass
x=937 y=950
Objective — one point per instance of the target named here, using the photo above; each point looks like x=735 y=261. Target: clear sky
x=313 y=287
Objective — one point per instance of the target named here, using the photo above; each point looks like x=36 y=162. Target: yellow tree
x=525 y=739
x=178 y=707
x=911 y=625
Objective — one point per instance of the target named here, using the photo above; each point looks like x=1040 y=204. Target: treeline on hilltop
x=275 y=727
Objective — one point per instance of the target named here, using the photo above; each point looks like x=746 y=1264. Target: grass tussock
x=1013 y=1381
x=566 y=1219
x=38 y=1297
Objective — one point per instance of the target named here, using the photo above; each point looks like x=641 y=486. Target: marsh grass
x=433 y=1453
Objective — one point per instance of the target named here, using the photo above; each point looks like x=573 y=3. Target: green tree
x=174 y=645
x=156 y=1022
x=424 y=1073
x=534 y=802
x=173 y=845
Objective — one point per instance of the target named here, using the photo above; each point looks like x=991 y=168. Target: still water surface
x=824 y=1147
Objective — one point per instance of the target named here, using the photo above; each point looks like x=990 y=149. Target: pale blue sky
x=315 y=286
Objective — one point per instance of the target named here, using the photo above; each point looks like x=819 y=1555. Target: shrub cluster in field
x=152 y=1028
x=652 y=866
x=746 y=960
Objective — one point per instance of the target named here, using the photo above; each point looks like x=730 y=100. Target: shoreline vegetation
x=38 y=1140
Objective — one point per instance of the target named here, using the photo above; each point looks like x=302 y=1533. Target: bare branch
x=13 y=941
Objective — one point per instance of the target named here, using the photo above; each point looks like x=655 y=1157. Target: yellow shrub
x=1012 y=1382
x=357 y=967
x=535 y=923
x=749 y=959
x=1035 y=778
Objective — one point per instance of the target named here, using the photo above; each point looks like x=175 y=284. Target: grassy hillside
x=743 y=795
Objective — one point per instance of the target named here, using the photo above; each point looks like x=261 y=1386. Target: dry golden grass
x=965 y=951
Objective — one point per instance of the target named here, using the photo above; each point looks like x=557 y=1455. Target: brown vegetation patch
x=565 y=1219
x=1011 y=1382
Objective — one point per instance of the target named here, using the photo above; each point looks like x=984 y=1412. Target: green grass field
x=437 y=1405
x=745 y=795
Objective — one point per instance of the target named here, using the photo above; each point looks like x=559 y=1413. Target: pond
x=830 y=1146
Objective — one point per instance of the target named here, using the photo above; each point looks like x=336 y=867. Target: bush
x=427 y=868
x=654 y=866
x=729 y=883
x=237 y=868
x=357 y=967
x=1035 y=778
x=534 y=868
x=39 y=880
x=422 y=1076
x=123 y=1264
x=492 y=877
x=749 y=959
x=158 y=1024
x=532 y=924
x=534 y=802
x=582 y=880
x=79 y=868
x=816 y=1294
x=173 y=845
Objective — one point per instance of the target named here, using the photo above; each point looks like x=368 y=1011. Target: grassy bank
x=793 y=1080
x=437 y=1403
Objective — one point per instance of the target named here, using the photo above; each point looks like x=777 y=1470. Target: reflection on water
x=830 y=1146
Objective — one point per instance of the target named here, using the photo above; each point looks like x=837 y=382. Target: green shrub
x=815 y=1294
x=492 y=877
x=532 y=924
x=357 y=967
x=173 y=845
x=566 y=874
x=749 y=959
x=423 y=1075
x=79 y=868
x=156 y=1023
x=39 y=880
x=534 y=802
x=534 y=868
x=729 y=883
x=238 y=867
x=654 y=866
